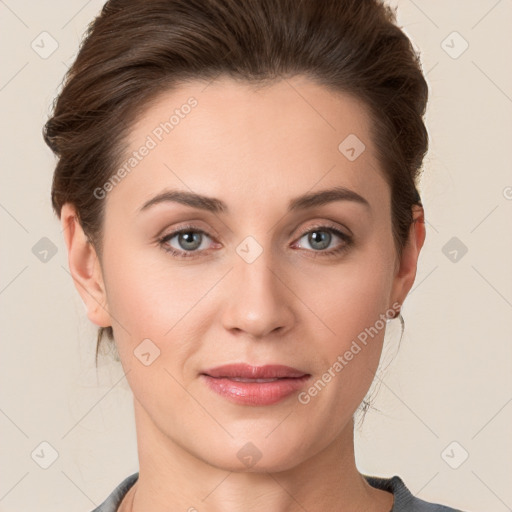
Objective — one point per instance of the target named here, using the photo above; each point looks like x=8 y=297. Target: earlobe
x=84 y=267
x=406 y=273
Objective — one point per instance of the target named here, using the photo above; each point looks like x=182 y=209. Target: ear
x=406 y=268
x=84 y=267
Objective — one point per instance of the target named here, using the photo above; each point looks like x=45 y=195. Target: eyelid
x=323 y=225
x=187 y=226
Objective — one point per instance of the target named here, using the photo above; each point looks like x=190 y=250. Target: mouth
x=241 y=379
x=245 y=384
x=254 y=373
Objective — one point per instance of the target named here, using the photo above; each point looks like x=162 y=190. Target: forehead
x=271 y=142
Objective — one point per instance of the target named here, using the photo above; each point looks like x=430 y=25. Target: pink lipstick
x=245 y=384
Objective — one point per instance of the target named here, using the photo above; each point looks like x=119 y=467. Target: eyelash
x=348 y=241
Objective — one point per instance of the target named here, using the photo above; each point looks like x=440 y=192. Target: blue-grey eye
x=319 y=239
x=188 y=240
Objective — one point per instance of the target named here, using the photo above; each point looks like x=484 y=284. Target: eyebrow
x=214 y=205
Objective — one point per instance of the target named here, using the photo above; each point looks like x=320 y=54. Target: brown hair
x=136 y=49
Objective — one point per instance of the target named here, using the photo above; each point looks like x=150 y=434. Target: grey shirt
x=404 y=500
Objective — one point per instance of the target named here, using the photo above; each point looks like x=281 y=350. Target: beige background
x=450 y=381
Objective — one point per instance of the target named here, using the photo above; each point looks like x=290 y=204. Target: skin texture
x=255 y=149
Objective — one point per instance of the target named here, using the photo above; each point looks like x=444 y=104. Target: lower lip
x=255 y=393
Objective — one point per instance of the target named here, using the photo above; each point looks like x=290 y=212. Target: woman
x=237 y=183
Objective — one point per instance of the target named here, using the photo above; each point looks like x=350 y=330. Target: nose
x=259 y=301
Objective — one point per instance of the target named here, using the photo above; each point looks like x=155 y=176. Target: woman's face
x=264 y=280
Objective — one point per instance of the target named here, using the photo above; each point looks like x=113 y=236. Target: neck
x=173 y=478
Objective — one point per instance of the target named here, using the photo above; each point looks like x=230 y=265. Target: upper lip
x=247 y=371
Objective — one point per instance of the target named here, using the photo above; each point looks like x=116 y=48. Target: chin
x=257 y=456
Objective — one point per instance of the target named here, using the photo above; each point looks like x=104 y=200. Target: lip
x=245 y=384
x=247 y=371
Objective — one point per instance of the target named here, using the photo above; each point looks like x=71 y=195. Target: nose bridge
x=258 y=300
x=253 y=267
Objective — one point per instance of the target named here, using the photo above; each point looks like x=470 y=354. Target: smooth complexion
x=256 y=150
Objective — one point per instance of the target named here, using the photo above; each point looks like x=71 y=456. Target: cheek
x=350 y=296
x=149 y=302
x=169 y=304
x=352 y=303
x=145 y=295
